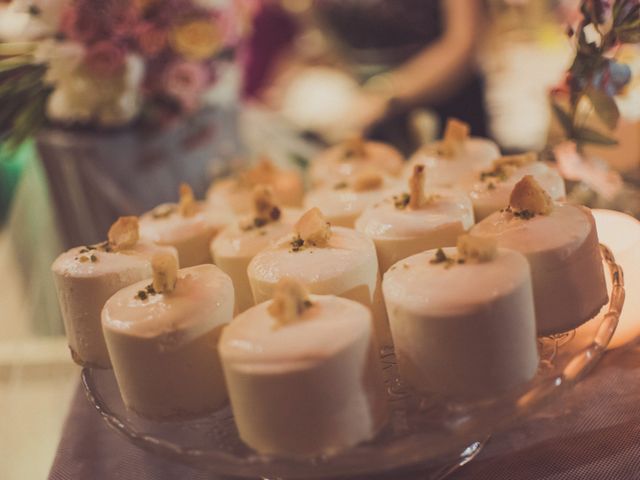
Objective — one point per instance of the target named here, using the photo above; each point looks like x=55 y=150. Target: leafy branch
x=594 y=76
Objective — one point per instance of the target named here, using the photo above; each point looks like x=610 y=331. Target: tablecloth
x=590 y=433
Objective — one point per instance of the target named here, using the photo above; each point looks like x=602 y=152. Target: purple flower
x=612 y=77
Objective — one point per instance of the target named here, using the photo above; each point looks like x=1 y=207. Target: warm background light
x=621 y=233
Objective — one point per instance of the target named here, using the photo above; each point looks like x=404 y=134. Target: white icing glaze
x=562 y=250
x=84 y=287
x=272 y=372
x=164 y=348
x=459 y=171
x=191 y=236
x=465 y=330
x=398 y=233
x=343 y=206
x=488 y=200
x=234 y=247
x=331 y=165
x=347 y=267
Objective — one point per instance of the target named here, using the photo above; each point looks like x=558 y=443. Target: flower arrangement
x=108 y=63
x=599 y=78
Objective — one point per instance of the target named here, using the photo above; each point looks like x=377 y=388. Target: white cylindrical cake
x=562 y=248
x=164 y=344
x=400 y=229
x=308 y=387
x=237 y=244
x=345 y=200
x=188 y=226
x=328 y=260
x=462 y=328
x=349 y=158
x=493 y=187
x=234 y=194
x=85 y=277
x=456 y=159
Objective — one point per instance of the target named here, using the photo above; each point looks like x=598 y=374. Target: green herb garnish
x=401 y=201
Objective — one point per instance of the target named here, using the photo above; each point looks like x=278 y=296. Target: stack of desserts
x=282 y=312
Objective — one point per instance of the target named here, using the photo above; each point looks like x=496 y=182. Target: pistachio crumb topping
x=311 y=230
x=401 y=201
x=529 y=199
x=455 y=134
x=187 y=205
x=165 y=272
x=476 y=249
x=368 y=180
x=290 y=301
x=416 y=188
x=144 y=294
x=265 y=211
x=124 y=233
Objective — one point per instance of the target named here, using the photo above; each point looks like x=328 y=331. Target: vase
x=97 y=176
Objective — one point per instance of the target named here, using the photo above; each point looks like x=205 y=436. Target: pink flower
x=121 y=18
x=185 y=81
x=80 y=24
x=151 y=38
x=105 y=58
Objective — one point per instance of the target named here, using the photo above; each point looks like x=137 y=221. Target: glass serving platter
x=431 y=435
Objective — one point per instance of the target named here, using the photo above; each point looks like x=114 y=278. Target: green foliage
x=23 y=97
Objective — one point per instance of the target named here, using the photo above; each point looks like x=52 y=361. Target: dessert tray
x=431 y=435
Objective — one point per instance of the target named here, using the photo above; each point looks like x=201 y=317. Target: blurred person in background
x=400 y=55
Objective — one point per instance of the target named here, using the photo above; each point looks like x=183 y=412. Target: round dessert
x=463 y=321
x=348 y=158
x=163 y=337
x=456 y=160
x=234 y=194
x=493 y=187
x=344 y=201
x=238 y=243
x=303 y=374
x=561 y=244
x=189 y=226
x=328 y=260
x=413 y=222
x=85 y=278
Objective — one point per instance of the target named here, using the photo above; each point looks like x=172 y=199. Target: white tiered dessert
x=234 y=193
x=457 y=159
x=303 y=374
x=85 y=277
x=344 y=201
x=163 y=337
x=189 y=226
x=491 y=192
x=238 y=243
x=328 y=260
x=413 y=222
x=463 y=321
x=346 y=159
x=561 y=245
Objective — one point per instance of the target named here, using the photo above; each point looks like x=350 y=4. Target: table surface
x=591 y=433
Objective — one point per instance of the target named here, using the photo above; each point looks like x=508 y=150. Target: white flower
x=63 y=58
x=25 y=20
x=80 y=96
